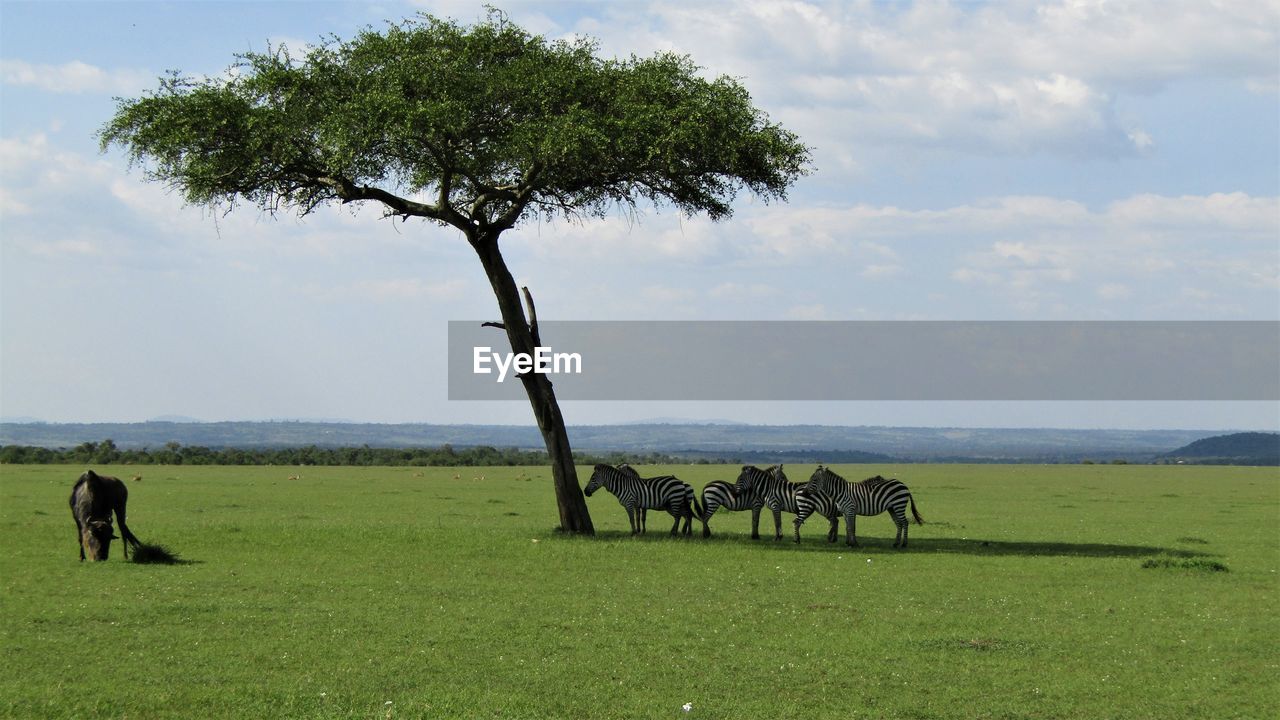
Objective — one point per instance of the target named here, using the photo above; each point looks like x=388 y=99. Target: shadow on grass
x=153 y=554
x=876 y=544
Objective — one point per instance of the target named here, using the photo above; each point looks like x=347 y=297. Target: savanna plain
x=1085 y=591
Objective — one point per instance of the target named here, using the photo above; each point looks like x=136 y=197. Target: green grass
x=445 y=593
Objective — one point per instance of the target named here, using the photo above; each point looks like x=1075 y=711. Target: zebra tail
x=697 y=509
x=919 y=520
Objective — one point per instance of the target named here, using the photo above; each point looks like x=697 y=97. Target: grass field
x=406 y=593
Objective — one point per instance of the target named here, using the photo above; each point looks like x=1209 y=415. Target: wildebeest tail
x=919 y=520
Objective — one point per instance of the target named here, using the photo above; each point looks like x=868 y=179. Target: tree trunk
x=574 y=516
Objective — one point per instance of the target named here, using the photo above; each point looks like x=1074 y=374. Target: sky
x=1076 y=160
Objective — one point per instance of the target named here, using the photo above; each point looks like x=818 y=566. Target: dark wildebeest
x=93 y=499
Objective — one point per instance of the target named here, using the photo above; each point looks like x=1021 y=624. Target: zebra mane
x=873 y=481
x=821 y=478
x=624 y=468
x=832 y=473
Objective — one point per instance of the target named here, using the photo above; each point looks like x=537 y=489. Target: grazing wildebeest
x=93 y=499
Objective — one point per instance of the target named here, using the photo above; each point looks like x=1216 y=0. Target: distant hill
x=748 y=443
x=1247 y=448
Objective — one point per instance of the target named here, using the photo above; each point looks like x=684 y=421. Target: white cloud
x=666 y=295
x=881 y=271
x=739 y=291
x=1114 y=291
x=75 y=77
x=812 y=311
x=978 y=77
x=1238 y=213
x=10 y=205
x=393 y=290
x=65 y=248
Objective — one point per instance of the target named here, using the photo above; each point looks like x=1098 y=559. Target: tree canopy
x=476 y=126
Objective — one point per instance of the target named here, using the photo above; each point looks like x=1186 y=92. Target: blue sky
x=976 y=161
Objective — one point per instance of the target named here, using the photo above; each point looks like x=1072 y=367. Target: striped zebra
x=869 y=497
x=637 y=494
x=719 y=494
x=778 y=493
x=808 y=502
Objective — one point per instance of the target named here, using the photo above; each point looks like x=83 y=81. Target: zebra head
x=748 y=479
x=597 y=479
x=822 y=481
x=778 y=474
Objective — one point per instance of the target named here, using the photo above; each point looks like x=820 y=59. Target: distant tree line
x=107 y=453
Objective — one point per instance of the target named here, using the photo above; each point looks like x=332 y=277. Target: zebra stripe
x=637 y=494
x=810 y=502
x=719 y=494
x=869 y=497
x=779 y=495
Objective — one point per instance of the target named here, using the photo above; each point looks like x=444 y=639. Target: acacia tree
x=477 y=128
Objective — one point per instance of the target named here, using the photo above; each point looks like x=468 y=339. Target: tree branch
x=533 y=317
x=520 y=199
x=348 y=191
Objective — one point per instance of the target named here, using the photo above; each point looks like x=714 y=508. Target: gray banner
x=1002 y=360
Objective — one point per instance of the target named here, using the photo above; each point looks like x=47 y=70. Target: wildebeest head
x=96 y=536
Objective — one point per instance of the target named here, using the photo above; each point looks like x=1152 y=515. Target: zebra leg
x=643 y=514
x=850 y=532
x=777 y=523
x=800 y=518
x=755 y=523
x=900 y=521
x=631 y=518
x=834 y=532
x=708 y=508
x=675 y=513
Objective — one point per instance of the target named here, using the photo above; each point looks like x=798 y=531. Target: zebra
x=719 y=494
x=810 y=501
x=636 y=494
x=778 y=493
x=869 y=497
x=642 y=513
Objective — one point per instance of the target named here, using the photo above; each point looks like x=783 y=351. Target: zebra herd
x=826 y=494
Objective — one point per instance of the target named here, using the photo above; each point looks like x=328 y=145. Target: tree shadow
x=652 y=535
x=976 y=546
x=917 y=545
